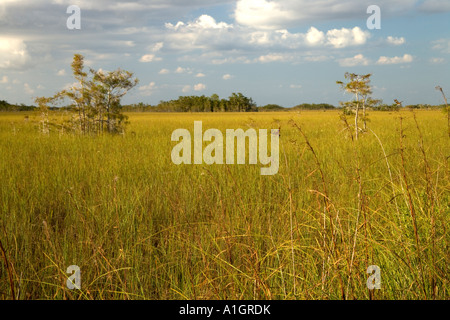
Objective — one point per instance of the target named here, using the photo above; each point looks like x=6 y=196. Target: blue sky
x=282 y=51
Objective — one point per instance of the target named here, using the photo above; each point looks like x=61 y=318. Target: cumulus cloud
x=347 y=37
x=266 y=14
x=28 y=88
x=13 y=54
x=296 y=86
x=206 y=33
x=164 y=71
x=4 y=79
x=203 y=22
x=199 y=87
x=200 y=75
x=227 y=76
x=315 y=37
x=358 y=60
x=437 y=60
x=396 y=41
x=407 y=58
x=262 y=14
x=274 y=57
x=181 y=70
x=148 y=90
x=149 y=58
x=156 y=47
x=61 y=72
x=442 y=45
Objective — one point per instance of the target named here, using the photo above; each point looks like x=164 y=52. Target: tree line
x=237 y=102
x=5 y=106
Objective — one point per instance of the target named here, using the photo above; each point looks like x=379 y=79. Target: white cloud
x=204 y=32
x=28 y=89
x=200 y=75
x=203 y=22
x=347 y=37
x=407 y=58
x=275 y=57
x=442 y=45
x=396 y=41
x=149 y=58
x=267 y=14
x=262 y=14
x=148 y=90
x=13 y=54
x=61 y=72
x=437 y=60
x=164 y=71
x=227 y=76
x=181 y=70
x=199 y=87
x=296 y=86
x=358 y=60
x=315 y=37
x=4 y=79
x=156 y=47
x=207 y=34
x=186 y=88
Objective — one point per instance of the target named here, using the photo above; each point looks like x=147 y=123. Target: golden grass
x=140 y=227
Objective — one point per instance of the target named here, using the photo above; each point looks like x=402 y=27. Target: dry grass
x=140 y=227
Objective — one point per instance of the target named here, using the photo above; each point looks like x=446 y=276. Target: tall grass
x=140 y=227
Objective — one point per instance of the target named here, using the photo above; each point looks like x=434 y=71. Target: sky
x=284 y=52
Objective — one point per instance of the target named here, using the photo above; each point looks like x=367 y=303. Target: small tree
x=108 y=89
x=43 y=109
x=359 y=86
x=447 y=109
x=95 y=98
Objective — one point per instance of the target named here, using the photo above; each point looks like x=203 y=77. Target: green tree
x=95 y=98
x=108 y=90
x=240 y=103
x=359 y=86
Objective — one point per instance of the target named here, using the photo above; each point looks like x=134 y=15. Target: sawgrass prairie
x=140 y=227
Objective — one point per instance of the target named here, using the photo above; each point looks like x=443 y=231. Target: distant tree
x=240 y=103
x=215 y=103
x=314 y=106
x=271 y=107
x=359 y=86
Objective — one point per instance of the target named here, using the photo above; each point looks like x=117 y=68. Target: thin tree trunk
x=357 y=117
x=364 y=115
